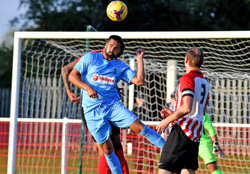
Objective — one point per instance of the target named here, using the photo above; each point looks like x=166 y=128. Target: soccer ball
x=117 y=11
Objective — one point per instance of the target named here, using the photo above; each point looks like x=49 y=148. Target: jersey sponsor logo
x=95 y=77
x=103 y=79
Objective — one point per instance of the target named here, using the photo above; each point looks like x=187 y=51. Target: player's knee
x=212 y=166
x=107 y=150
x=137 y=126
x=99 y=150
x=107 y=147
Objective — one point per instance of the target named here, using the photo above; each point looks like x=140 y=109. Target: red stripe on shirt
x=187 y=126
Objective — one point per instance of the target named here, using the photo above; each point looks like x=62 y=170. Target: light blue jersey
x=102 y=75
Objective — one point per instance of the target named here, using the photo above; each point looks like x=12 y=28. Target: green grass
x=40 y=161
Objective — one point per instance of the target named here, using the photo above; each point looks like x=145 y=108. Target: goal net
x=47 y=138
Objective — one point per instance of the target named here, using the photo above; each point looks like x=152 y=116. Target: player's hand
x=73 y=97
x=120 y=92
x=139 y=53
x=92 y=93
x=217 y=149
x=160 y=128
x=166 y=112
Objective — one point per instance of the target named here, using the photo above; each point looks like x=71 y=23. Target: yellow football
x=117 y=11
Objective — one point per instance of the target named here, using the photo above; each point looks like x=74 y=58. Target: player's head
x=114 y=47
x=194 y=57
x=140 y=99
x=140 y=95
x=172 y=95
x=172 y=99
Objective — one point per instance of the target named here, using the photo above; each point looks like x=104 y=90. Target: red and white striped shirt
x=195 y=85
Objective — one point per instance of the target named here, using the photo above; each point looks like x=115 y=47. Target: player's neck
x=192 y=69
x=109 y=59
x=105 y=57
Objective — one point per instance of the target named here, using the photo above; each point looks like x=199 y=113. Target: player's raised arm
x=75 y=78
x=139 y=78
x=65 y=76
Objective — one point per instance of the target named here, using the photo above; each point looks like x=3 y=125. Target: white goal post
x=36 y=82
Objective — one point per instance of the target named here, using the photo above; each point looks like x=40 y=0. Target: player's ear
x=106 y=45
x=186 y=59
x=120 y=53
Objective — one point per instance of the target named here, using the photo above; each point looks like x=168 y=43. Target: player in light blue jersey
x=97 y=74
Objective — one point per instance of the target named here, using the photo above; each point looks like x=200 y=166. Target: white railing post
x=131 y=87
x=171 y=78
x=64 y=157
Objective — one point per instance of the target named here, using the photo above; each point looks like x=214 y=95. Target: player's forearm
x=76 y=80
x=65 y=76
x=214 y=138
x=181 y=112
x=140 y=72
x=184 y=109
x=65 y=71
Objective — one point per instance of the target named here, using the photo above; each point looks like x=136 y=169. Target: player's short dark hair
x=172 y=95
x=140 y=95
x=119 y=40
x=195 y=57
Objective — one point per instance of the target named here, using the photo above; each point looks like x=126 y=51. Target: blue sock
x=153 y=137
x=114 y=163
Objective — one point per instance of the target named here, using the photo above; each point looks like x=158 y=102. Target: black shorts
x=115 y=130
x=179 y=152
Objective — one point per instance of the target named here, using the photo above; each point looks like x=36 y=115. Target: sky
x=8 y=10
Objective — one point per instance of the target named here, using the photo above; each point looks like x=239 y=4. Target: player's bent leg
x=116 y=140
x=187 y=171
x=102 y=162
x=112 y=160
x=114 y=163
x=150 y=134
x=137 y=126
x=216 y=172
x=206 y=153
x=99 y=149
x=162 y=171
x=123 y=162
x=103 y=166
x=212 y=167
x=119 y=151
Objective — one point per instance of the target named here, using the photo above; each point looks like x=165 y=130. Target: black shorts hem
x=179 y=152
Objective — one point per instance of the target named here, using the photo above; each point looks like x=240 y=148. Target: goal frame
x=18 y=36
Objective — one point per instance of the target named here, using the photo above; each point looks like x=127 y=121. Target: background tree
x=157 y=15
x=5 y=65
x=143 y=15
